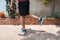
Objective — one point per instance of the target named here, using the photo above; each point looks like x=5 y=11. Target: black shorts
x=23 y=8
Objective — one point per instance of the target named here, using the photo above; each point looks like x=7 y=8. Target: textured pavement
x=34 y=32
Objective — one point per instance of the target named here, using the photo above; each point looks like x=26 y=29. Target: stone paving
x=34 y=32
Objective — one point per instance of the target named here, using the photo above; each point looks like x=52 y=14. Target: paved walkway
x=34 y=32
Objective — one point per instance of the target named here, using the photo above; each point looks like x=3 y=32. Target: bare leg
x=22 y=21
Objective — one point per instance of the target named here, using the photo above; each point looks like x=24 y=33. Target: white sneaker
x=22 y=32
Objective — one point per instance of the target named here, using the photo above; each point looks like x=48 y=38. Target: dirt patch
x=29 y=20
x=54 y=21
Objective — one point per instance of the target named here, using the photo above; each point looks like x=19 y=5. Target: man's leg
x=22 y=21
x=23 y=12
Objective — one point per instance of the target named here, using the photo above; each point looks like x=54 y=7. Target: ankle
x=23 y=29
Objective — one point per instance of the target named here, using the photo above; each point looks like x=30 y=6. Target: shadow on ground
x=58 y=26
x=40 y=35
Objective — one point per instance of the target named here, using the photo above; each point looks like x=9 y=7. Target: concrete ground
x=34 y=32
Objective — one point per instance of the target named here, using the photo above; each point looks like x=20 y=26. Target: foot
x=22 y=31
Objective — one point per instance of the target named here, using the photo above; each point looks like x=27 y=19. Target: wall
x=38 y=9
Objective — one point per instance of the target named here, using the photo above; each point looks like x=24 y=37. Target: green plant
x=11 y=13
x=45 y=2
x=45 y=16
x=56 y=14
